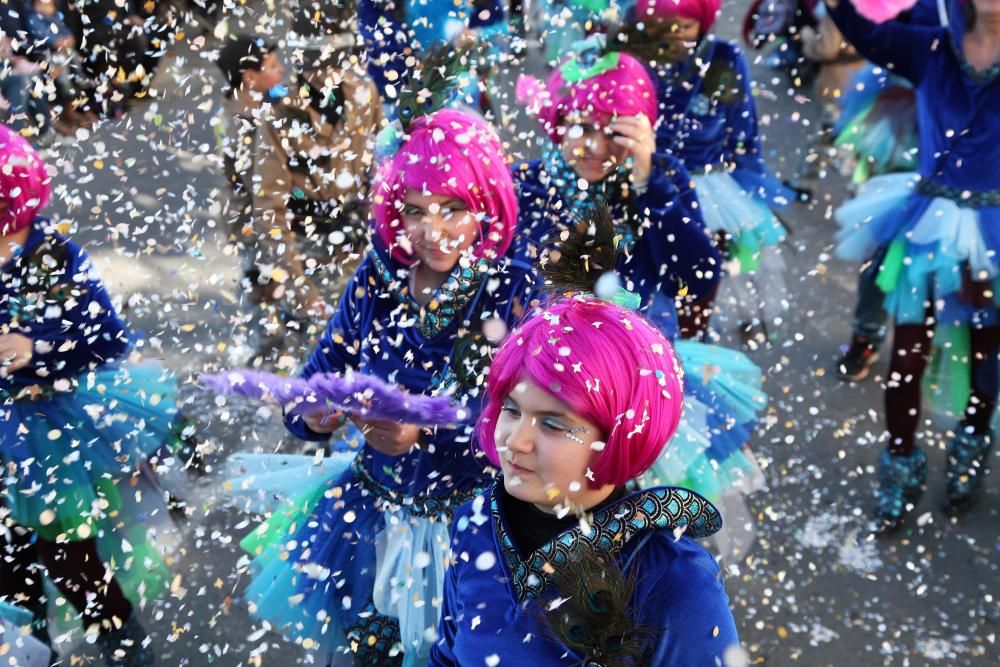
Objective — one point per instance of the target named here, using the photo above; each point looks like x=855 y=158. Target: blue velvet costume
x=495 y=594
x=937 y=231
x=425 y=24
x=709 y=120
x=73 y=422
x=395 y=506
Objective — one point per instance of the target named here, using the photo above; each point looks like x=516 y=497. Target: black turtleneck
x=530 y=527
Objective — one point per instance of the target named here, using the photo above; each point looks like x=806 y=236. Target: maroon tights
x=911 y=347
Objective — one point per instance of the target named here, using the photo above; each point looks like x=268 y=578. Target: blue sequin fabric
x=662 y=508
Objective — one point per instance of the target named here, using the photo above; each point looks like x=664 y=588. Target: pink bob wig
x=704 y=11
x=626 y=90
x=609 y=365
x=455 y=154
x=25 y=186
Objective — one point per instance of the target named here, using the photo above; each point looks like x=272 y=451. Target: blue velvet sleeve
x=339 y=348
x=903 y=48
x=387 y=42
x=676 y=235
x=686 y=603
x=743 y=143
x=79 y=329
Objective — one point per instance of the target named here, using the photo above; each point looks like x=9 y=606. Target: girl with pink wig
x=370 y=541
x=582 y=398
x=600 y=121
x=76 y=429
x=707 y=117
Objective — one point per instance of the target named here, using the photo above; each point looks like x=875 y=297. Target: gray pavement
x=146 y=196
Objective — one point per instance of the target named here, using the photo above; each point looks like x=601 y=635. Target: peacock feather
x=592 y=611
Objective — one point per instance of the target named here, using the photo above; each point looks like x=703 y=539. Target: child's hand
x=389 y=437
x=636 y=134
x=15 y=353
x=324 y=422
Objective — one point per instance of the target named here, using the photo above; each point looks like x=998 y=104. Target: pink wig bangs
x=25 y=186
x=458 y=155
x=704 y=11
x=609 y=365
x=626 y=90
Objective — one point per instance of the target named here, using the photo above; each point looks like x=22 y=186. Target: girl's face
x=440 y=228
x=546 y=450
x=682 y=28
x=588 y=148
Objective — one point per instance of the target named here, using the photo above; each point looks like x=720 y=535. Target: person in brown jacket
x=298 y=165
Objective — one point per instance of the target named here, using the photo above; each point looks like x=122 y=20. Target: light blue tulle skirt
x=722 y=402
x=925 y=245
x=335 y=568
x=743 y=211
x=710 y=453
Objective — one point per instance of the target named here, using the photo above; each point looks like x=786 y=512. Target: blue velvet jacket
x=390 y=41
x=958 y=108
x=494 y=595
x=709 y=120
x=668 y=251
x=50 y=293
x=380 y=330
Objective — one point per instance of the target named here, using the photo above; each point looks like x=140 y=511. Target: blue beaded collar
x=661 y=508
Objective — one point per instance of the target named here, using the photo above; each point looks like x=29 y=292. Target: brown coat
x=278 y=152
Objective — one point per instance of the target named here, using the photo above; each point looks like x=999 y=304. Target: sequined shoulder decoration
x=448 y=301
x=665 y=508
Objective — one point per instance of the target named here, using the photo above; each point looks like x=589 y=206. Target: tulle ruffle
x=877 y=124
x=81 y=469
x=731 y=206
x=926 y=244
x=68 y=449
x=332 y=564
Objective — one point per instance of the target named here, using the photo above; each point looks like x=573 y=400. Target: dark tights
x=74 y=567
x=911 y=347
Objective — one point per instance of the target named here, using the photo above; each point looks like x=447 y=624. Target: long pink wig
x=705 y=11
x=25 y=186
x=609 y=365
x=626 y=90
x=455 y=154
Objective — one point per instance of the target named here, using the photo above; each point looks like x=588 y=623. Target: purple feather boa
x=354 y=393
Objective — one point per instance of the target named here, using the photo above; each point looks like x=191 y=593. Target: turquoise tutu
x=342 y=565
x=925 y=245
x=76 y=455
x=730 y=207
x=878 y=124
x=722 y=402
x=70 y=444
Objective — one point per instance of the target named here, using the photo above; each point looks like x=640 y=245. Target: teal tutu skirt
x=722 y=402
x=334 y=569
x=925 y=247
x=732 y=207
x=710 y=453
x=76 y=464
x=878 y=124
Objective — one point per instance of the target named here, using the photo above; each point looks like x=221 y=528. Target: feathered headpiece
x=583 y=259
